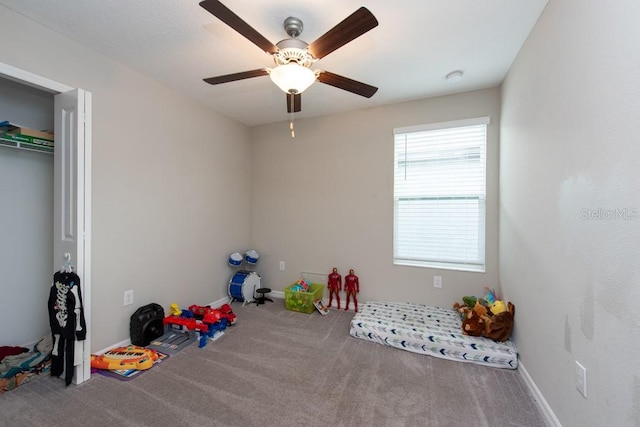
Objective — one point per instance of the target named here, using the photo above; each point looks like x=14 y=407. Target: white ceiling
x=407 y=56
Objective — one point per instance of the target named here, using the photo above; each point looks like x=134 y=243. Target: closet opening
x=46 y=206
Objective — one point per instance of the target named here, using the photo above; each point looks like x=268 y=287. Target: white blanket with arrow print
x=429 y=330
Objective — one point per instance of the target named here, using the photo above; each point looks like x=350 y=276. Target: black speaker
x=146 y=324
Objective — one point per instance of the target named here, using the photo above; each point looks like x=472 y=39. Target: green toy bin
x=302 y=301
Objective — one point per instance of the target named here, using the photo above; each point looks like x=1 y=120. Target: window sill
x=441 y=266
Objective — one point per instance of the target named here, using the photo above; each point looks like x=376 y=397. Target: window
x=439 y=195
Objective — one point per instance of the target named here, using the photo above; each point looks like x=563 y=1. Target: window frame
x=432 y=262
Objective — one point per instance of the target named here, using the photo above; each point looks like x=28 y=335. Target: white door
x=72 y=203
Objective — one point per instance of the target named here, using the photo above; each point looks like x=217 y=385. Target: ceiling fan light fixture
x=292 y=78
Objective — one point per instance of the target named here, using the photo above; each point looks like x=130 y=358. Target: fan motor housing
x=293 y=50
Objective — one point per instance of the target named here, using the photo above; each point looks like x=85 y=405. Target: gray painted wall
x=568 y=155
x=169 y=176
x=570 y=206
x=26 y=220
x=325 y=199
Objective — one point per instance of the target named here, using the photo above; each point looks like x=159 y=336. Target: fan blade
x=224 y=14
x=236 y=76
x=352 y=27
x=347 y=84
x=294 y=102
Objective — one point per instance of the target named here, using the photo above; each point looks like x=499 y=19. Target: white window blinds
x=439 y=195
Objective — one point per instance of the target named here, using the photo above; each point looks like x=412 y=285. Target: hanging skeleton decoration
x=66 y=317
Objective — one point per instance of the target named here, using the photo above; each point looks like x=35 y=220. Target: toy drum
x=242 y=285
x=235 y=259
x=251 y=257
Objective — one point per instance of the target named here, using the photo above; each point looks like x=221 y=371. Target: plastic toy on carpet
x=128 y=374
x=173 y=341
x=211 y=321
x=124 y=358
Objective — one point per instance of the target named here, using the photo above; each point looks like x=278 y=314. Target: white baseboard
x=127 y=342
x=217 y=303
x=120 y=344
x=551 y=418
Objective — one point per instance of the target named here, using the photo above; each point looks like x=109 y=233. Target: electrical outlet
x=281 y=265
x=437 y=282
x=128 y=297
x=581 y=379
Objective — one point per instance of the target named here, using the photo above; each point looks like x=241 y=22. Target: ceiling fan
x=294 y=57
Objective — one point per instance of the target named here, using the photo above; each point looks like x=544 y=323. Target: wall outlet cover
x=128 y=297
x=437 y=282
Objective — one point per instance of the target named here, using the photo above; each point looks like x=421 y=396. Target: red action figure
x=352 y=287
x=335 y=286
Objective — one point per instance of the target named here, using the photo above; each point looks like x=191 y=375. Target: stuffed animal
x=494 y=322
x=490 y=296
x=499 y=326
x=498 y=307
x=473 y=322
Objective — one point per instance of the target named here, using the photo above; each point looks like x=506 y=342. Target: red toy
x=352 y=287
x=228 y=313
x=189 y=323
x=206 y=320
x=335 y=286
x=224 y=312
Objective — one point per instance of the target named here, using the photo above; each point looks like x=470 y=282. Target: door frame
x=83 y=371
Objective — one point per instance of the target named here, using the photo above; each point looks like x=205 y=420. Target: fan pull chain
x=293 y=132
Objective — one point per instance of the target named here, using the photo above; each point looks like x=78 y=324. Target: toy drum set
x=243 y=283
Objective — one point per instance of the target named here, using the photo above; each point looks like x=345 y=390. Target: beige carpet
x=282 y=368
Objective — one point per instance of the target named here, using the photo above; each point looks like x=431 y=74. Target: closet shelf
x=18 y=136
x=26 y=143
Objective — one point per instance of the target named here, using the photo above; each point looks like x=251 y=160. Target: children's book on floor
x=321 y=307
